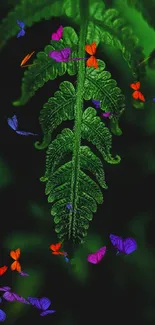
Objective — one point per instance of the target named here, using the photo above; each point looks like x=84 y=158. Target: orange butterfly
x=55 y=248
x=137 y=94
x=27 y=57
x=3 y=269
x=15 y=255
x=91 y=49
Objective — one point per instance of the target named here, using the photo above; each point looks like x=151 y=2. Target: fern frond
x=95 y=132
x=73 y=225
x=46 y=69
x=100 y=86
x=114 y=31
x=58 y=108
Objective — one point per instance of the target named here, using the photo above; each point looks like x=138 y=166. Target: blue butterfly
x=2 y=315
x=96 y=103
x=22 y=31
x=13 y=123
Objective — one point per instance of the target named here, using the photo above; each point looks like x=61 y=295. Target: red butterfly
x=15 y=255
x=137 y=94
x=55 y=248
x=91 y=49
x=3 y=269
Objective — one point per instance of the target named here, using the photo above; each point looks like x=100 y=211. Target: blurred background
x=120 y=288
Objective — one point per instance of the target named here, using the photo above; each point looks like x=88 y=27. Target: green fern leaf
x=95 y=131
x=100 y=86
x=46 y=69
x=114 y=31
x=58 y=187
x=58 y=108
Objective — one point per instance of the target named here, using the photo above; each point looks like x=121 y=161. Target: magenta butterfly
x=126 y=246
x=42 y=304
x=23 y=273
x=58 y=34
x=12 y=296
x=96 y=257
x=107 y=114
x=63 y=55
x=13 y=123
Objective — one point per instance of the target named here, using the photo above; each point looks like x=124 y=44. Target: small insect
x=63 y=55
x=2 y=315
x=3 y=269
x=137 y=94
x=96 y=103
x=55 y=248
x=42 y=304
x=96 y=257
x=91 y=49
x=12 y=296
x=106 y=114
x=23 y=273
x=153 y=99
x=58 y=34
x=126 y=246
x=13 y=123
x=15 y=266
x=26 y=58
x=22 y=31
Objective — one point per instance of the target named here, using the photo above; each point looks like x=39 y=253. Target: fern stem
x=84 y=7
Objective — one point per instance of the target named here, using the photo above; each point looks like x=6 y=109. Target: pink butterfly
x=63 y=55
x=96 y=257
x=58 y=35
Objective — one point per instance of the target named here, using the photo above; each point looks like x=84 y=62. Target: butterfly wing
x=92 y=62
x=45 y=303
x=130 y=245
x=9 y=296
x=92 y=258
x=2 y=315
x=107 y=114
x=21 y=24
x=15 y=266
x=100 y=253
x=91 y=48
x=5 y=289
x=96 y=103
x=23 y=273
x=3 y=269
x=15 y=254
x=135 y=85
x=56 y=55
x=19 y=298
x=55 y=247
x=58 y=35
x=65 y=53
x=13 y=123
x=140 y=96
x=34 y=302
x=21 y=33
x=117 y=242
x=25 y=133
x=44 y=313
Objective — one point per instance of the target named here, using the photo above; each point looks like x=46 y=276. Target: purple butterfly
x=153 y=99
x=107 y=114
x=23 y=273
x=12 y=296
x=96 y=103
x=126 y=246
x=63 y=55
x=13 y=123
x=22 y=31
x=42 y=304
x=2 y=315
